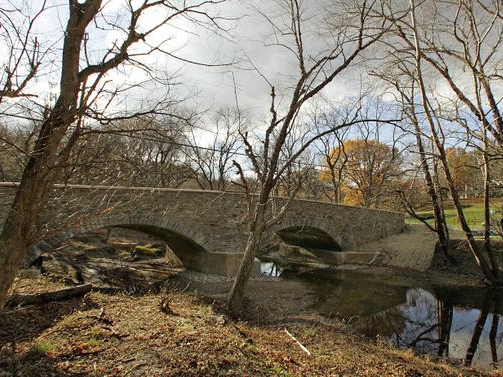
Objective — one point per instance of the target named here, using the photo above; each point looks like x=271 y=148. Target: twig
x=299 y=343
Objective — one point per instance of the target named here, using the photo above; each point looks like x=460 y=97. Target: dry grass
x=120 y=335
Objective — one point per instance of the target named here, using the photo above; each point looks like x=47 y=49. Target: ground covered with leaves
x=175 y=333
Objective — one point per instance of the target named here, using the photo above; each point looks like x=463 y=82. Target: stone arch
x=305 y=232
x=187 y=243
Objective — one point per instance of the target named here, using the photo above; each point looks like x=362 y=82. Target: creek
x=458 y=323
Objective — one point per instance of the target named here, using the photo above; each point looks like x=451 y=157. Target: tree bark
x=257 y=227
x=434 y=194
x=19 y=231
x=487 y=213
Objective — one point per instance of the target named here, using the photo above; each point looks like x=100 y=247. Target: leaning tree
x=91 y=79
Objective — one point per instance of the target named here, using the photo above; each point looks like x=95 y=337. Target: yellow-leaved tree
x=365 y=171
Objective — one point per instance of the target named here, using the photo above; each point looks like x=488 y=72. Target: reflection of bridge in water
x=207 y=230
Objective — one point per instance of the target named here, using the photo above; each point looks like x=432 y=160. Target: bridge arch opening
x=185 y=248
x=308 y=237
x=187 y=244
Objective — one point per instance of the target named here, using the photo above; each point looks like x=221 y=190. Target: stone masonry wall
x=216 y=221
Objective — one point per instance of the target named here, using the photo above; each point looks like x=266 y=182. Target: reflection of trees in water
x=492 y=339
x=445 y=313
x=477 y=331
x=491 y=299
x=444 y=324
x=426 y=324
x=389 y=323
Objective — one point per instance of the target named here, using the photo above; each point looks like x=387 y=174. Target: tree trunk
x=487 y=213
x=236 y=295
x=19 y=231
x=434 y=194
x=479 y=258
x=40 y=298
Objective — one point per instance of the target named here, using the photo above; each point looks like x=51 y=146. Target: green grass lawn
x=473 y=210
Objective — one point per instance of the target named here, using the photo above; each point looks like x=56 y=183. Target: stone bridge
x=207 y=230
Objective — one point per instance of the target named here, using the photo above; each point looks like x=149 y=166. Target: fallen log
x=39 y=298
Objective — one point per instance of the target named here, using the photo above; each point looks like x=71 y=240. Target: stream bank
x=122 y=329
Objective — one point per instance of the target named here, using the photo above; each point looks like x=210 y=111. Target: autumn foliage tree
x=368 y=169
x=463 y=166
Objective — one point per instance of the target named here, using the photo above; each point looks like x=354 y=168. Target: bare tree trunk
x=487 y=212
x=18 y=230
x=79 y=87
x=479 y=258
x=434 y=194
x=257 y=227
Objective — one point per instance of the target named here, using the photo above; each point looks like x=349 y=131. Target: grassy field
x=473 y=210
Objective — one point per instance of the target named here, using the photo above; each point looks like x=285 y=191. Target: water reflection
x=458 y=323
x=270 y=269
x=441 y=327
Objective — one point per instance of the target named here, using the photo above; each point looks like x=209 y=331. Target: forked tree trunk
x=19 y=230
x=479 y=257
x=434 y=194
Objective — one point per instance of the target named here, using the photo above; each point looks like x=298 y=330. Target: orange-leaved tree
x=366 y=171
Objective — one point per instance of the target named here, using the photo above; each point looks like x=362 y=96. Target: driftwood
x=39 y=298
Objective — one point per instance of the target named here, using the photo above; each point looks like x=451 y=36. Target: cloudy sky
x=244 y=56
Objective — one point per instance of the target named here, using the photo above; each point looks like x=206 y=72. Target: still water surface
x=459 y=323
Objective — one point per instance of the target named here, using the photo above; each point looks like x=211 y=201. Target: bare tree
x=333 y=163
x=433 y=120
x=144 y=151
x=211 y=162
x=15 y=147
x=315 y=72
x=85 y=92
x=24 y=53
